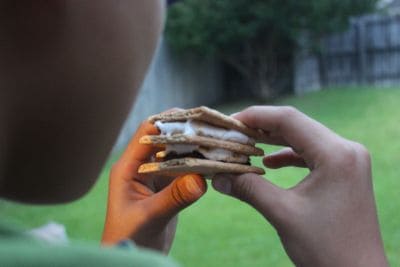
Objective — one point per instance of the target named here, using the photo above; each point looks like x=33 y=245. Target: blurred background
x=337 y=61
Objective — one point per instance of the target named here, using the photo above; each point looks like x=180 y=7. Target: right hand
x=328 y=219
x=144 y=208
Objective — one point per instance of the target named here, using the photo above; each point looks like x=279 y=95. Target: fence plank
x=368 y=52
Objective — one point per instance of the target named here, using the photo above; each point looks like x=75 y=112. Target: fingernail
x=194 y=186
x=223 y=183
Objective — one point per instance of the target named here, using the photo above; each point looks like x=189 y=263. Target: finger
x=160 y=182
x=284 y=158
x=261 y=194
x=310 y=139
x=181 y=193
x=269 y=138
x=138 y=151
x=171 y=110
x=135 y=153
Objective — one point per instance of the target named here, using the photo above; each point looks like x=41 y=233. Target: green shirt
x=19 y=250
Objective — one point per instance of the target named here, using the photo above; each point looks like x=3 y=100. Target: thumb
x=253 y=189
x=178 y=195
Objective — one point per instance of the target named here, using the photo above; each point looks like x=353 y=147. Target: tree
x=257 y=38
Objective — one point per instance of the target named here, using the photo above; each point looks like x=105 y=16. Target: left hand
x=329 y=218
x=144 y=208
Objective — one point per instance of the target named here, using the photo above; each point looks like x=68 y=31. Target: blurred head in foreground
x=69 y=73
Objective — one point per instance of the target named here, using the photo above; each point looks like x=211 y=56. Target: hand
x=143 y=208
x=329 y=218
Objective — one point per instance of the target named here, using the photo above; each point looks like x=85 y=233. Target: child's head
x=69 y=73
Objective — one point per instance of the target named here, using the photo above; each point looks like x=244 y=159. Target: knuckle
x=348 y=154
x=352 y=155
x=252 y=109
x=114 y=174
x=355 y=150
x=143 y=124
x=289 y=111
x=363 y=152
x=171 y=110
x=285 y=114
x=114 y=169
x=348 y=150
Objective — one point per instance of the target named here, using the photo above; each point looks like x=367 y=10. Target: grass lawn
x=219 y=231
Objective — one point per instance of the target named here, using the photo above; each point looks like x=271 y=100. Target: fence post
x=361 y=48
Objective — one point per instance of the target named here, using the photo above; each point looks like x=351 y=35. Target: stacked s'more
x=203 y=141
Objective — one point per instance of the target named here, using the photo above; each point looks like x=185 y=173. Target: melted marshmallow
x=192 y=128
x=220 y=154
x=202 y=129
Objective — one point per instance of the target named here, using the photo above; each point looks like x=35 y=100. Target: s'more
x=203 y=141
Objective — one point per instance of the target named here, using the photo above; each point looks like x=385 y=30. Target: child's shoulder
x=19 y=249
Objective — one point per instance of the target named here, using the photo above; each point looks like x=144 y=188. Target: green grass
x=219 y=231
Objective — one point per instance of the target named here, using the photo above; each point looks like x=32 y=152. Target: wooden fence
x=367 y=53
x=173 y=81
